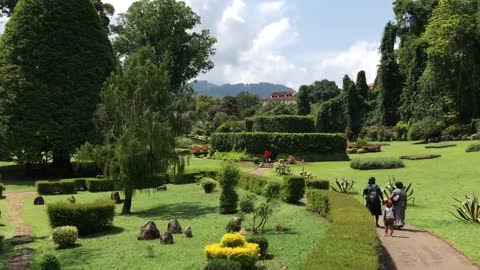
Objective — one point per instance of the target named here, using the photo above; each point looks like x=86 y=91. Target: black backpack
x=372 y=195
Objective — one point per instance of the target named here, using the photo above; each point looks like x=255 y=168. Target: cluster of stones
x=150 y=231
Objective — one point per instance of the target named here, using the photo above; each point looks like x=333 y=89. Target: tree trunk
x=127 y=204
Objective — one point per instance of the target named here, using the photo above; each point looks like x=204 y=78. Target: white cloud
x=274 y=8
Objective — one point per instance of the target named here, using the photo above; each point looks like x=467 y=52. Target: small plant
x=208 y=184
x=234 y=247
x=247 y=203
x=473 y=148
x=307 y=175
x=390 y=187
x=228 y=181
x=262 y=243
x=281 y=168
x=49 y=262
x=235 y=224
x=65 y=236
x=468 y=210
x=223 y=264
x=343 y=186
x=272 y=190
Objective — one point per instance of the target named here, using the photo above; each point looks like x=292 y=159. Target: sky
x=290 y=42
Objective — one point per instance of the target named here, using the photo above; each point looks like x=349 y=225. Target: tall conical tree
x=61 y=51
x=303 y=101
x=353 y=107
x=362 y=85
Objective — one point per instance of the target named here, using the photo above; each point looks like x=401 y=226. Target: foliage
x=247 y=203
x=307 y=175
x=234 y=247
x=65 y=236
x=361 y=85
x=350 y=236
x=231 y=126
x=87 y=217
x=455 y=132
x=232 y=156
x=228 y=181
x=293 y=189
x=317 y=184
x=276 y=108
x=473 y=148
x=101 y=155
x=429 y=128
x=318 y=202
x=343 y=186
x=468 y=210
x=2 y=189
x=324 y=90
x=331 y=115
x=283 y=123
x=440 y=145
x=55 y=187
x=40 y=77
x=261 y=213
x=390 y=187
x=190 y=177
x=49 y=262
x=303 y=101
x=376 y=163
x=377 y=133
x=272 y=190
x=223 y=264
x=99 y=185
x=208 y=184
x=262 y=242
x=325 y=146
x=282 y=168
x=353 y=107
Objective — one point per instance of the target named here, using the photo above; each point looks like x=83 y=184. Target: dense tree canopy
x=321 y=91
x=303 y=101
x=52 y=73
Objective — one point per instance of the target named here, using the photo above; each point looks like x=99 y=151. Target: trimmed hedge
x=80 y=184
x=317 y=184
x=318 y=202
x=350 y=242
x=192 y=176
x=253 y=183
x=307 y=146
x=293 y=188
x=473 y=148
x=376 y=163
x=282 y=123
x=87 y=217
x=99 y=185
x=55 y=187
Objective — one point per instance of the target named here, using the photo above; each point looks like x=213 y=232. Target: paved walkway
x=415 y=249
x=260 y=171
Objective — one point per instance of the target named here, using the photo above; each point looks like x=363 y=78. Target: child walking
x=389 y=217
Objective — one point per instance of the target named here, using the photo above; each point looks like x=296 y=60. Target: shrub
x=281 y=168
x=234 y=225
x=352 y=151
x=262 y=243
x=308 y=175
x=475 y=137
x=208 y=184
x=80 y=184
x=376 y=163
x=2 y=189
x=99 y=185
x=473 y=148
x=272 y=190
x=400 y=131
x=228 y=181
x=318 y=202
x=475 y=125
x=65 y=236
x=283 y=123
x=49 y=262
x=234 y=247
x=343 y=186
x=429 y=128
x=256 y=160
x=377 y=133
x=468 y=210
x=324 y=146
x=293 y=188
x=223 y=264
x=350 y=242
x=247 y=203
x=55 y=187
x=317 y=184
x=455 y=132
x=191 y=177
x=253 y=183
x=87 y=217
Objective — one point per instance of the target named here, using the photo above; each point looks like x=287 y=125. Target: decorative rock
x=39 y=201
x=149 y=231
x=174 y=227
x=188 y=232
x=243 y=232
x=166 y=238
x=115 y=196
x=162 y=188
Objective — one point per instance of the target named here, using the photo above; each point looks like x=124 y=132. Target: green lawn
x=435 y=182
x=190 y=206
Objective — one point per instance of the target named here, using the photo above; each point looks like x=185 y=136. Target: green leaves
x=343 y=186
x=468 y=210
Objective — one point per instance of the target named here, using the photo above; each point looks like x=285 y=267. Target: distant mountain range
x=263 y=90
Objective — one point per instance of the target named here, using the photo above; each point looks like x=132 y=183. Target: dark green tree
x=362 y=86
x=331 y=115
x=353 y=107
x=303 y=101
x=247 y=103
x=324 y=90
x=62 y=54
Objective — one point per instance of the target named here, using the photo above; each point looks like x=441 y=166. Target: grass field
x=436 y=182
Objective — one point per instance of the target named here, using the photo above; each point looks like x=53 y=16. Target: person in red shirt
x=267 y=155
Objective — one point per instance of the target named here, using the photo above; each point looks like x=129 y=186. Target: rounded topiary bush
x=223 y=264
x=65 y=236
x=272 y=190
x=234 y=247
x=262 y=243
x=48 y=262
x=208 y=184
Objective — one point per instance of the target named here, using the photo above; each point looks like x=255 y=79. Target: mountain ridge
x=262 y=89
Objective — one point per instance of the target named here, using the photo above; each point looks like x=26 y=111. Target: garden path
x=415 y=249
x=259 y=171
x=22 y=255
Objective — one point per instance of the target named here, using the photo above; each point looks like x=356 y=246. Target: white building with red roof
x=288 y=97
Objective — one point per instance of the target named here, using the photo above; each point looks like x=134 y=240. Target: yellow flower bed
x=234 y=247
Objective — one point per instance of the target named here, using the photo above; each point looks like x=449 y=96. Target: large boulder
x=166 y=238
x=149 y=231
x=174 y=227
x=188 y=232
x=39 y=201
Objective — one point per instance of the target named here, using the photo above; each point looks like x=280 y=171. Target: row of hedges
x=72 y=186
x=283 y=123
x=376 y=163
x=351 y=241
x=318 y=202
x=87 y=217
x=324 y=147
x=190 y=177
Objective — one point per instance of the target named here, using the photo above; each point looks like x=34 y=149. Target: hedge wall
x=350 y=242
x=55 y=187
x=99 y=185
x=318 y=202
x=306 y=146
x=292 y=187
x=253 y=183
x=282 y=123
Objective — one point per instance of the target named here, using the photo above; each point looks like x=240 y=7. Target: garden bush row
x=89 y=218
x=376 y=163
x=351 y=241
x=72 y=186
x=283 y=123
x=307 y=146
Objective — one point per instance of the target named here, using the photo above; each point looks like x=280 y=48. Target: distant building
x=371 y=86
x=288 y=97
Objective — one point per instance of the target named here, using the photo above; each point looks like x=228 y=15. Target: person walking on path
x=399 y=198
x=389 y=217
x=267 y=155
x=373 y=197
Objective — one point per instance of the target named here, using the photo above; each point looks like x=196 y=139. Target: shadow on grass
x=111 y=231
x=185 y=210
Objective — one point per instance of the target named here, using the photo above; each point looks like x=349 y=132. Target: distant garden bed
x=420 y=157
x=376 y=163
x=440 y=145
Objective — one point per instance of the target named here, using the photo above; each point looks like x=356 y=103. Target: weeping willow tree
x=139 y=104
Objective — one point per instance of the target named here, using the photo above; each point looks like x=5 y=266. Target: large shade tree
x=54 y=57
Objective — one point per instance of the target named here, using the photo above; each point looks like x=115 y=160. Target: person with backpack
x=374 y=199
